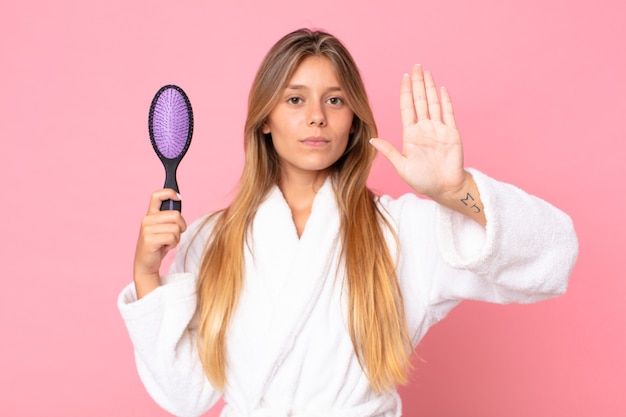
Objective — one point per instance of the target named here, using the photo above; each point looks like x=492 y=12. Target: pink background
x=539 y=91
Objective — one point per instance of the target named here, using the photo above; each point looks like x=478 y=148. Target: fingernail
x=180 y=197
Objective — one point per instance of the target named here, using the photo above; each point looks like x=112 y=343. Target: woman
x=307 y=295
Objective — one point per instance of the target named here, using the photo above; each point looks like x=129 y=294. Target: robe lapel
x=306 y=266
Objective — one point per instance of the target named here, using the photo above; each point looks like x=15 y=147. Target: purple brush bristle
x=170 y=123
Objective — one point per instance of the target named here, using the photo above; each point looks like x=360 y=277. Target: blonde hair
x=377 y=322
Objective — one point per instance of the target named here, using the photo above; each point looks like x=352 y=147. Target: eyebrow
x=304 y=87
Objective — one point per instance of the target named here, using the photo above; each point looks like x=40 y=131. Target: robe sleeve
x=163 y=330
x=525 y=253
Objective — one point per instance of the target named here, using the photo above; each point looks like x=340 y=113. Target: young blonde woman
x=307 y=295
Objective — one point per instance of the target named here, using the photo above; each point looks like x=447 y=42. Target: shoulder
x=198 y=230
x=406 y=208
x=193 y=241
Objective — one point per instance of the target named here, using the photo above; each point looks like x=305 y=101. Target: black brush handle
x=170 y=182
x=171 y=205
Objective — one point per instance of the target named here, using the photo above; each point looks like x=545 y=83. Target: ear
x=265 y=128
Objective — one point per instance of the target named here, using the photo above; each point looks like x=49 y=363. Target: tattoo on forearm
x=466 y=201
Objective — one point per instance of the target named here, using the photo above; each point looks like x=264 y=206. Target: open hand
x=431 y=161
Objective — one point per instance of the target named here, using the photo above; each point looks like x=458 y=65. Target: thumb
x=389 y=151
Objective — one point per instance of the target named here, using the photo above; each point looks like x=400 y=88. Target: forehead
x=314 y=70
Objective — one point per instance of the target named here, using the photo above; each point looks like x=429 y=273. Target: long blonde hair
x=377 y=322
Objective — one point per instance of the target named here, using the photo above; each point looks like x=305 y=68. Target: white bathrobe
x=289 y=351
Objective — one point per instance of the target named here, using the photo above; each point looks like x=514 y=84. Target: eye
x=294 y=100
x=335 y=101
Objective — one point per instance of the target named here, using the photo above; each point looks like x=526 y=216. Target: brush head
x=170 y=122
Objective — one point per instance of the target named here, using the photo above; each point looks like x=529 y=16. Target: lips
x=315 y=141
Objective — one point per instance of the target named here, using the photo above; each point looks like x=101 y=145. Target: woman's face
x=311 y=122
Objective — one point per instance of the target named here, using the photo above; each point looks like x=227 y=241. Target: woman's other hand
x=160 y=232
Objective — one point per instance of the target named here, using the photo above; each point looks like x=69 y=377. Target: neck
x=299 y=191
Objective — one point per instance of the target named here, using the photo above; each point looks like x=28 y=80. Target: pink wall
x=539 y=91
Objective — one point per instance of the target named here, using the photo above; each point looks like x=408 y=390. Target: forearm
x=529 y=247
x=144 y=284
x=466 y=200
x=163 y=333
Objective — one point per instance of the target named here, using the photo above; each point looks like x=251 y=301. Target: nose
x=316 y=115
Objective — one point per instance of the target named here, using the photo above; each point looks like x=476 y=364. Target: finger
x=159 y=196
x=419 y=93
x=163 y=229
x=407 y=108
x=158 y=242
x=157 y=236
x=390 y=152
x=434 y=110
x=164 y=217
x=446 y=107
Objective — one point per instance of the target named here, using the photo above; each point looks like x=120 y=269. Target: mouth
x=314 y=141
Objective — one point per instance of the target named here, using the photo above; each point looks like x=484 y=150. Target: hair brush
x=170 y=123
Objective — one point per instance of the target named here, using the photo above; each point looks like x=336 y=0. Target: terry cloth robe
x=289 y=350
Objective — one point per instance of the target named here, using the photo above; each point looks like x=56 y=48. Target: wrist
x=454 y=193
x=145 y=283
x=465 y=199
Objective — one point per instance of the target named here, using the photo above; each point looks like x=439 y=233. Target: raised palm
x=431 y=161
